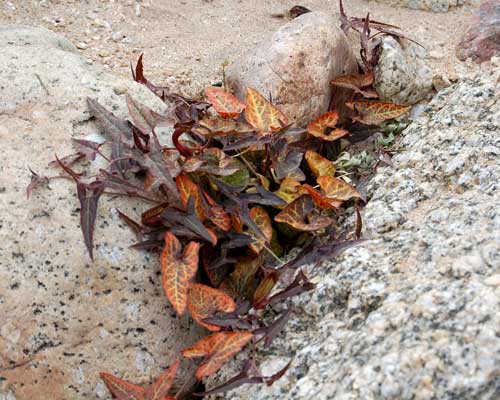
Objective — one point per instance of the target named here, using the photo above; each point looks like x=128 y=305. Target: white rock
x=402 y=76
x=55 y=304
x=295 y=66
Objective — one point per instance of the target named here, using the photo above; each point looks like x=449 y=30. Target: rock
x=402 y=75
x=413 y=312
x=482 y=41
x=63 y=318
x=295 y=66
x=82 y=46
x=430 y=5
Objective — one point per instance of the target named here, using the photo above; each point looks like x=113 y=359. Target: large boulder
x=413 y=312
x=64 y=318
x=402 y=75
x=482 y=41
x=431 y=5
x=295 y=66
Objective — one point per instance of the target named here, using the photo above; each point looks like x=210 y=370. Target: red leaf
x=226 y=104
x=262 y=115
x=204 y=302
x=318 y=127
x=218 y=348
x=177 y=270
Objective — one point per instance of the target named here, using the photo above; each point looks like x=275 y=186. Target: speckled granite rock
x=402 y=74
x=431 y=5
x=62 y=318
x=482 y=41
x=295 y=65
x=412 y=313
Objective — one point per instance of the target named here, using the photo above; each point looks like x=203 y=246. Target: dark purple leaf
x=273 y=378
x=300 y=285
x=36 y=180
x=68 y=160
x=119 y=132
x=156 y=165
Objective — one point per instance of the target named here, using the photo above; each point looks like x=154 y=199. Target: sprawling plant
x=238 y=190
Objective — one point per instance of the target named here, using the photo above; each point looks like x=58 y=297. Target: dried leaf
x=219 y=348
x=204 y=302
x=122 y=390
x=300 y=216
x=376 y=112
x=318 y=127
x=177 y=270
x=337 y=189
x=261 y=114
x=225 y=104
x=263 y=221
x=319 y=165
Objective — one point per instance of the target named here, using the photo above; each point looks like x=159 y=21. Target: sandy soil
x=186 y=41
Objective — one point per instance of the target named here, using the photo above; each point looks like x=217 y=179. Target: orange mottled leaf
x=161 y=386
x=220 y=127
x=337 y=189
x=263 y=221
x=225 y=104
x=289 y=190
x=302 y=215
x=187 y=188
x=204 y=346
x=122 y=390
x=204 y=302
x=261 y=114
x=357 y=82
x=321 y=200
x=264 y=289
x=319 y=165
x=240 y=283
x=177 y=270
x=376 y=112
x=319 y=126
x=218 y=348
x=216 y=214
x=151 y=217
